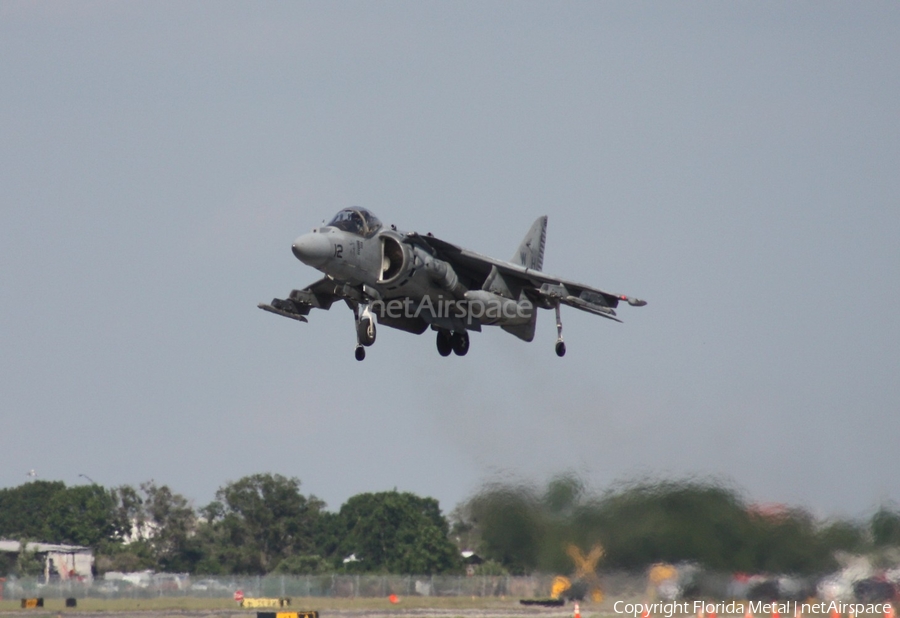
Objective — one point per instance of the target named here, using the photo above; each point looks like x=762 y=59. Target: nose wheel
x=560 y=344
x=365 y=332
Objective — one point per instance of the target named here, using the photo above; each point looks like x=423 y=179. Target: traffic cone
x=775 y=613
x=577 y=612
x=749 y=612
x=645 y=613
x=834 y=613
x=890 y=612
x=700 y=613
x=711 y=614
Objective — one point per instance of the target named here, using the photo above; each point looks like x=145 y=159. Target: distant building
x=470 y=557
x=63 y=562
x=471 y=560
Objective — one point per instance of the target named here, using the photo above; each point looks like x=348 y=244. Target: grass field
x=297 y=603
x=184 y=606
x=411 y=607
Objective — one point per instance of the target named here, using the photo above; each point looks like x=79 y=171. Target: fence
x=339 y=586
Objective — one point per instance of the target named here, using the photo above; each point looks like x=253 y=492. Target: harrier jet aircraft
x=412 y=282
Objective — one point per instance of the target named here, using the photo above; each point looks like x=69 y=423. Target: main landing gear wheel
x=560 y=348
x=459 y=341
x=444 y=344
x=360 y=353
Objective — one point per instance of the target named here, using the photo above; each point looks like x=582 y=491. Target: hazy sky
x=736 y=164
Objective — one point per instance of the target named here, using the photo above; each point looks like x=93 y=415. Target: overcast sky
x=735 y=164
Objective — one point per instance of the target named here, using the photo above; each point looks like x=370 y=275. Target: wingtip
x=281 y=312
x=634 y=302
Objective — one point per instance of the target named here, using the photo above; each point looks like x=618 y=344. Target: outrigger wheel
x=560 y=344
x=560 y=348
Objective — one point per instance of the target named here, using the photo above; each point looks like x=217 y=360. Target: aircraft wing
x=547 y=290
x=319 y=295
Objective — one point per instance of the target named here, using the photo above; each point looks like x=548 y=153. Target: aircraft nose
x=312 y=249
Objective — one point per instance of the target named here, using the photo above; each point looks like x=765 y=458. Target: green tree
x=843 y=535
x=396 y=533
x=258 y=521
x=172 y=522
x=24 y=509
x=28 y=563
x=671 y=522
x=303 y=565
x=131 y=552
x=82 y=515
x=642 y=523
x=885 y=527
x=787 y=542
x=130 y=513
x=130 y=557
x=509 y=526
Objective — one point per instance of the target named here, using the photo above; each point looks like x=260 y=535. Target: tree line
x=264 y=524
x=642 y=523
x=257 y=525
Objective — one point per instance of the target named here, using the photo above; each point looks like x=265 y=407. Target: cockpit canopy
x=356 y=220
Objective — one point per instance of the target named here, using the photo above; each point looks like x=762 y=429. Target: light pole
x=88 y=478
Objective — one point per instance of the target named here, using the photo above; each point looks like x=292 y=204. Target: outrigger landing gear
x=560 y=344
x=365 y=331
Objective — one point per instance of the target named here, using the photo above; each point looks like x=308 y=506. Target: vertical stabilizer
x=531 y=252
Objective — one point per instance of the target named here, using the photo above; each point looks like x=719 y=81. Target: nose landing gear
x=365 y=332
